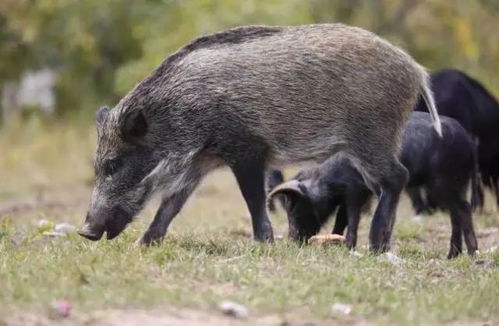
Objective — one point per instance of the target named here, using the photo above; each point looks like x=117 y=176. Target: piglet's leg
x=341 y=222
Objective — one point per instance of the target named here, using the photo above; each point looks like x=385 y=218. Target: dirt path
x=169 y=317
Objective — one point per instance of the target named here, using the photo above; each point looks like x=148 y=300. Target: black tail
x=477 y=198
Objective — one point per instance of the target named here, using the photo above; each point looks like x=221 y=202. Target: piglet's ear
x=133 y=125
x=101 y=115
x=291 y=191
x=289 y=187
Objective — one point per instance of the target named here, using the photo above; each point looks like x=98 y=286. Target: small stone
x=394 y=259
x=355 y=254
x=326 y=239
x=233 y=309
x=43 y=223
x=417 y=218
x=341 y=309
x=65 y=228
x=53 y=234
x=62 y=308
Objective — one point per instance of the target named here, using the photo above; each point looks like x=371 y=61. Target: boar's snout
x=113 y=222
x=91 y=231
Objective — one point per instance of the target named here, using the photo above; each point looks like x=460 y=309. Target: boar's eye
x=112 y=166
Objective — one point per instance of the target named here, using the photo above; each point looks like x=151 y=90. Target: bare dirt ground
x=167 y=317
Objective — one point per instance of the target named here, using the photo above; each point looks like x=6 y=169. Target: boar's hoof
x=149 y=240
x=147 y=243
x=266 y=238
x=264 y=234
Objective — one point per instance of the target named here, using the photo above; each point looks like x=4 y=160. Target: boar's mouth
x=116 y=227
x=118 y=222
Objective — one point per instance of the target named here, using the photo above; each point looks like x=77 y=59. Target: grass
x=208 y=256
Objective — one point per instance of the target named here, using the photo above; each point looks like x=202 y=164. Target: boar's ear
x=101 y=115
x=291 y=190
x=133 y=125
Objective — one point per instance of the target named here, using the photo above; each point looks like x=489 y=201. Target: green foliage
x=86 y=41
x=102 y=48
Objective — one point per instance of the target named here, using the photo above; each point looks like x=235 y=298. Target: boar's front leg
x=250 y=175
x=169 y=208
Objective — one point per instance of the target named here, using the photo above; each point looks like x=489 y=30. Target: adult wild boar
x=255 y=98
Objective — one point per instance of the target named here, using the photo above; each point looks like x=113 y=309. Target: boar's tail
x=427 y=95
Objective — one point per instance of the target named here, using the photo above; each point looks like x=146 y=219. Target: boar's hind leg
x=387 y=176
x=250 y=176
x=169 y=208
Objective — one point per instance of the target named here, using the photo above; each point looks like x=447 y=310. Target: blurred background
x=62 y=59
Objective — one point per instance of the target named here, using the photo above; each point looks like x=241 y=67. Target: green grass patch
x=208 y=255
